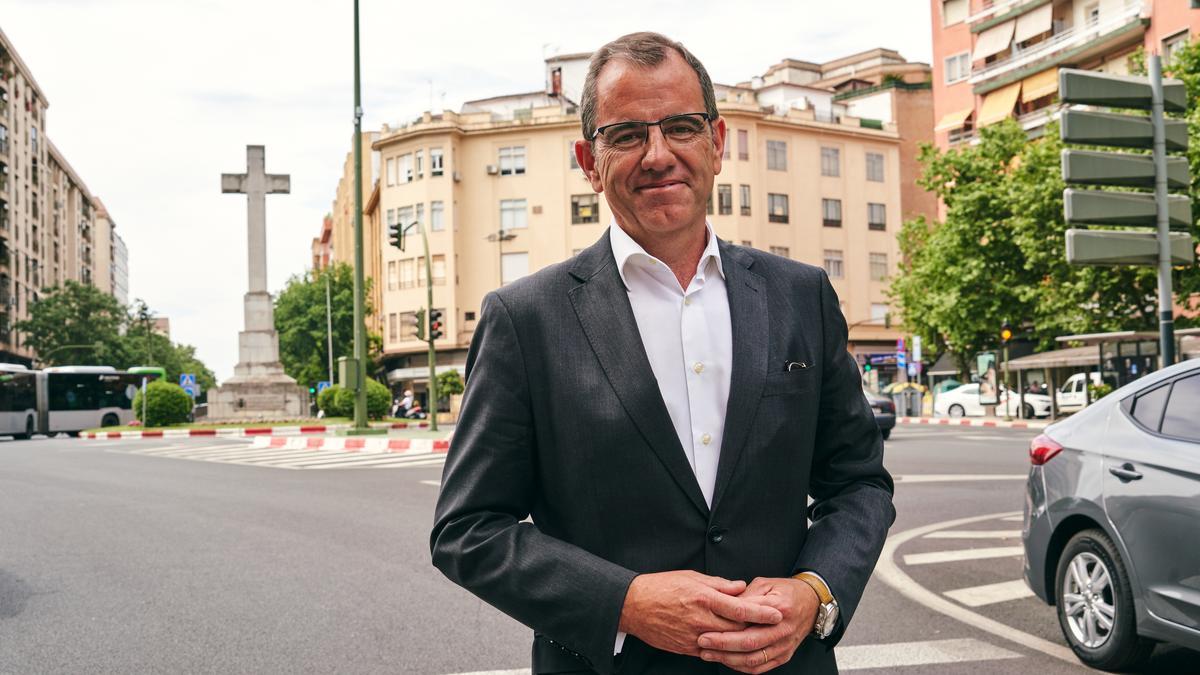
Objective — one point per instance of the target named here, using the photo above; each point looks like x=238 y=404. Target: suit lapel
x=602 y=305
x=748 y=318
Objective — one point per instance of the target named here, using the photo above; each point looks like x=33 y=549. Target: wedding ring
x=765 y=657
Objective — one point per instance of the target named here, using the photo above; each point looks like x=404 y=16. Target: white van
x=1072 y=396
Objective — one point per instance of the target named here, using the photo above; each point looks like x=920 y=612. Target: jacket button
x=715 y=534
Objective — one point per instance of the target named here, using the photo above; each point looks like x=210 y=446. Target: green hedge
x=166 y=404
x=338 y=401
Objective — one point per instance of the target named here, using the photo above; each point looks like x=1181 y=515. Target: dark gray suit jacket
x=563 y=421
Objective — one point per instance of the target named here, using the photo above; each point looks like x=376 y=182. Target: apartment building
x=338 y=244
x=500 y=195
x=994 y=60
x=51 y=226
x=322 y=244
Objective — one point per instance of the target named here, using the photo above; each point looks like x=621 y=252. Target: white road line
x=963 y=554
x=153 y=450
x=974 y=534
x=352 y=460
x=285 y=457
x=956 y=477
x=887 y=571
x=518 y=671
x=245 y=453
x=896 y=655
x=203 y=451
x=1014 y=519
x=978 y=596
x=434 y=483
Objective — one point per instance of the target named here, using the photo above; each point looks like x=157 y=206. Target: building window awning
x=1034 y=23
x=998 y=105
x=1041 y=84
x=993 y=40
x=954 y=120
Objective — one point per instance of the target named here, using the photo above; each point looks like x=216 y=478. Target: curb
x=967 y=422
x=408 y=446
x=239 y=432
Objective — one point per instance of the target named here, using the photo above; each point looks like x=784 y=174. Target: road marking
x=434 y=483
x=518 y=671
x=978 y=596
x=860 y=657
x=1018 y=518
x=887 y=571
x=974 y=534
x=375 y=461
x=956 y=477
x=963 y=554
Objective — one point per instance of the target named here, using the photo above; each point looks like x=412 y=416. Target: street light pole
x=329 y=325
x=360 y=330
x=1166 y=311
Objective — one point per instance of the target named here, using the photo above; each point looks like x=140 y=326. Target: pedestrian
x=663 y=406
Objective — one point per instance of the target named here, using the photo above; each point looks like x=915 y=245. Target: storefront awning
x=1041 y=84
x=998 y=105
x=1033 y=23
x=993 y=40
x=954 y=120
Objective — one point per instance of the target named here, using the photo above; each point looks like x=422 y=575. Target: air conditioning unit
x=457 y=177
x=492 y=169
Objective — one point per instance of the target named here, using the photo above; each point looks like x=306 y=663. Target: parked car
x=885 y=412
x=1112 y=520
x=964 y=402
x=1072 y=396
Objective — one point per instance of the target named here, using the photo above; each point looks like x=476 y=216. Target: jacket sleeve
x=852 y=492
x=481 y=539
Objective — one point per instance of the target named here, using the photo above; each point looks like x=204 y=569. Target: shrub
x=450 y=383
x=337 y=401
x=325 y=399
x=379 y=400
x=166 y=404
x=343 y=403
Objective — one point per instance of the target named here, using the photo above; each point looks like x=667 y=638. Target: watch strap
x=817 y=585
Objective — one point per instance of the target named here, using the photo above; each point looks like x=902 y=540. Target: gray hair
x=647 y=50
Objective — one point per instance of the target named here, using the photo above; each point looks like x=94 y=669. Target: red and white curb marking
x=408 y=446
x=968 y=422
x=239 y=432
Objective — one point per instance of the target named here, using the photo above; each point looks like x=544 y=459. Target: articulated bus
x=64 y=399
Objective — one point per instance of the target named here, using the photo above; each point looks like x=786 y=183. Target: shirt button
x=698 y=367
x=706 y=439
x=687 y=302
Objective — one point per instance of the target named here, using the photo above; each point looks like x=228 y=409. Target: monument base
x=258 y=399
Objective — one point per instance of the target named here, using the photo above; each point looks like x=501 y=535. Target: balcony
x=1075 y=43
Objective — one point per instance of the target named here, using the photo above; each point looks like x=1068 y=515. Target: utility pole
x=360 y=329
x=1166 y=307
x=431 y=334
x=329 y=324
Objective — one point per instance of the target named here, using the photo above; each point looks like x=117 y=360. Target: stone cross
x=256 y=184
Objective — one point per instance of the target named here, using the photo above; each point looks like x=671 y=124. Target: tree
x=68 y=316
x=300 y=322
x=144 y=346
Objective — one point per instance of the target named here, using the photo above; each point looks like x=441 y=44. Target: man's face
x=661 y=186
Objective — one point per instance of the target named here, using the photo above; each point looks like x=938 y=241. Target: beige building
x=497 y=186
x=52 y=229
x=338 y=244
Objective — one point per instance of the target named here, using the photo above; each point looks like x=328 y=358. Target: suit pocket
x=790 y=382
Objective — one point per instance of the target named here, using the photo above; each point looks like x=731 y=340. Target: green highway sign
x=1117 y=91
x=1087 y=127
x=1096 y=247
x=1094 y=207
x=1083 y=167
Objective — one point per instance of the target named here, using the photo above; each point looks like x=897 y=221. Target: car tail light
x=1042 y=449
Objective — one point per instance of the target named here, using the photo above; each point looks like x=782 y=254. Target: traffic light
x=1006 y=332
x=867 y=367
x=419 y=324
x=312 y=390
x=396 y=235
x=435 y=324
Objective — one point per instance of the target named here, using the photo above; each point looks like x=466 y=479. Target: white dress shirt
x=688 y=337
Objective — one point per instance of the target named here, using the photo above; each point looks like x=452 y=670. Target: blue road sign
x=191 y=390
x=186 y=379
x=322 y=386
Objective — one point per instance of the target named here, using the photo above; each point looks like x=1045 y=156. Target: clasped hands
x=750 y=628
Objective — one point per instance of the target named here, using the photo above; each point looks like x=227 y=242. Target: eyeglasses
x=630 y=135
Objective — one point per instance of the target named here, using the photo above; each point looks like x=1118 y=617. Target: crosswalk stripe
x=898 y=654
x=973 y=534
x=244 y=453
x=978 y=596
x=963 y=554
x=434 y=483
x=204 y=451
x=1014 y=519
x=375 y=462
x=361 y=459
x=248 y=454
x=153 y=450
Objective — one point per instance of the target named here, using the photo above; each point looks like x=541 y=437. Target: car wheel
x=110 y=420
x=885 y=433
x=957 y=410
x=1095 y=604
x=28 y=430
x=1027 y=411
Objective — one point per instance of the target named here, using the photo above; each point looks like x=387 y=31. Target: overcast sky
x=151 y=100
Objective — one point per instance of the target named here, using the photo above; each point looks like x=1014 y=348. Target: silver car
x=1112 y=520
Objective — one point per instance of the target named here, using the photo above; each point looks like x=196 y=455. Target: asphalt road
x=209 y=556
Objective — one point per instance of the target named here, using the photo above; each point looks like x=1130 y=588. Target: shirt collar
x=625 y=249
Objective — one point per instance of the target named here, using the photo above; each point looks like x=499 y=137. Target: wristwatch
x=827 y=611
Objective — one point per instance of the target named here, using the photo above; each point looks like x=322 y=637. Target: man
x=663 y=405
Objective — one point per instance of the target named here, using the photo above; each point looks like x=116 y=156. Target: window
x=879 y=266
x=513 y=266
x=437 y=216
x=747 y=244
x=958 y=67
x=513 y=215
x=391 y=171
x=1180 y=417
x=879 y=312
x=435 y=161
x=725 y=199
x=876 y=216
x=1148 y=408
x=420 y=216
x=408 y=273
x=875 y=167
x=781 y=251
x=777 y=155
x=408 y=320
x=833 y=263
x=725 y=153
x=744 y=194
x=393 y=328
x=585 y=209
x=512 y=160
x=571 y=155
x=405 y=167
x=831 y=212
x=1172 y=44
x=777 y=208
x=392 y=279
x=1091 y=13
x=404 y=215
x=420 y=163
x=743 y=144
x=954 y=11
x=439 y=270
x=831 y=162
